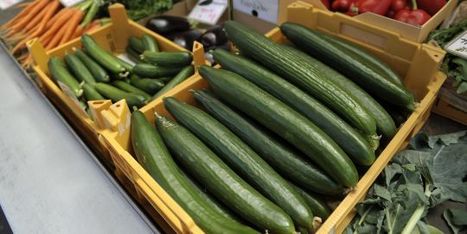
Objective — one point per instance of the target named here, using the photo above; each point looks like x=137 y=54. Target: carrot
x=34 y=21
x=55 y=17
x=92 y=28
x=78 y=32
x=56 y=39
x=20 y=15
x=71 y=26
x=23 y=5
x=58 y=24
x=25 y=20
x=53 y=7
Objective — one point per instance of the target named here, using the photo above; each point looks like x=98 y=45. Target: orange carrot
x=20 y=15
x=92 y=28
x=25 y=20
x=71 y=26
x=55 y=17
x=23 y=5
x=53 y=7
x=58 y=23
x=78 y=32
x=56 y=39
x=34 y=21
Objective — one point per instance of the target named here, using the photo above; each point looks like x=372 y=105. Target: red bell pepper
x=342 y=5
x=415 y=16
x=431 y=6
x=396 y=5
x=325 y=3
x=379 y=7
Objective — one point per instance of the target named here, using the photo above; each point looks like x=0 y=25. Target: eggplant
x=186 y=39
x=214 y=37
x=166 y=24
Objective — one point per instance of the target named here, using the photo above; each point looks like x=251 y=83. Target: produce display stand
x=447 y=108
x=417 y=63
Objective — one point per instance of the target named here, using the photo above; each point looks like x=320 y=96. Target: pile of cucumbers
x=93 y=73
x=277 y=131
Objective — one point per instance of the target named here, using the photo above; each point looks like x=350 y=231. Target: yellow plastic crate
x=417 y=63
x=114 y=37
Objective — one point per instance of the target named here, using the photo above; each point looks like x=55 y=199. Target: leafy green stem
x=416 y=216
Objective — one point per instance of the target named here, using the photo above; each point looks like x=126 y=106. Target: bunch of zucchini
x=92 y=73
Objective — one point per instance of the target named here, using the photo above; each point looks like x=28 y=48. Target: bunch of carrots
x=51 y=23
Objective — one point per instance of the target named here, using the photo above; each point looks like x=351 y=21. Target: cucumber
x=90 y=93
x=318 y=206
x=130 y=88
x=284 y=121
x=351 y=141
x=135 y=44
x=116 y=95
x=304 y=71
x=60 y=74
x=126 y=64
x=150 y=86
x=149 y=43
x=221 y=181
x=96 y=70
x=133 y=55
x=153 y=71
x=287 y=161
x=366 y=76
x=166 y=79
x=243 y=160
x=170 y=59
x=179 y=78
x=155 y=158
x=79 y=69
x=101 y=56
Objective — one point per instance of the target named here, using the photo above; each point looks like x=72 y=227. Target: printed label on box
x=458 y=46
x=209 y=13
x=69 y=3
x=267 y=10
x=4 y=4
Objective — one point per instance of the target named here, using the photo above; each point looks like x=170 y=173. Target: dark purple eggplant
x=186 y=39
x=166 y=24
x=214 y=37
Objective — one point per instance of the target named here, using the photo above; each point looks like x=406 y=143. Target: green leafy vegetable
x=138 y=9
x=456 y=219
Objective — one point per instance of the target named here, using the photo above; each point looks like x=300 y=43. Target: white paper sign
x=4 y=4
x=458 y=46
x=210 y=13
x=267 y=10
x=69 y=3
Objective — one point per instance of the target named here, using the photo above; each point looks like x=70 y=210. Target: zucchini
x=287 y=161
x=318 y=206
x=116 y=95
x=79 y=69
x=365 y=75
x=166 y=79
x=90 y=93
x=96 y=70
x=103 y=57
x=153 y=71
x=179 y=78
x=304 y=71
x=126 y=64
x=243 y=160
x=130 y=88
x=133 y=55
x=60 y=74
x=221 y=181
x=149 y=43
x=155 y=158
x=150 y=86
x=135 y=44
x=169 y=59
x=351 y=141
x=284 y=121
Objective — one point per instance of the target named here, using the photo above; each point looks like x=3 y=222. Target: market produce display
x=98 y=74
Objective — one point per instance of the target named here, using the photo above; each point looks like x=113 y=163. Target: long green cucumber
x=181 y=76
x=284 y=121
x=366 y=76
x=149 y=43
x=318 y=206
x=166 y=79
x=302 y=70
x=99 y=73
x=103 y=57
x=133 y=55
x=153 y=71
x=287 y=161
x=130 y=88
x=79 y=69
x=126 y=64
x=351 y=141
x=60 y=74
x=116 y=95
x=169 y=59
x=136 y=44
x=90 y=93
x=243 y=160
x=155 y=158
x=221 y=181
x=150 y=86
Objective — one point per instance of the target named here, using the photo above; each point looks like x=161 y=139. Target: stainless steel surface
x=49 y=181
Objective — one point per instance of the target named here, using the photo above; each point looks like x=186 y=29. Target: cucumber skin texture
x=174 y=59
x=101 y=56
x=284 y=159
x=365 y=76
x=60 y=73
x=150 y=86
x=284 y=121
x=116 y=95
x=155 y=158
x=302 y=70
x=149 y=43
x=135 y=44
x=242 y=159
x=318 y=206
x=90 y=93
x=79 y=69
x=131 y=89
x=179 y=78
x=351 y=141
x=96 y=70
x=221 y=181
x=152 y=71
x=133 y=55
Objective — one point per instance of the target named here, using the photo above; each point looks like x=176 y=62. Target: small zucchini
x=153 y=71
x=168 y=59
x=130 y=88
x=150 y=86
x=116 y=95
x=179 y=78
x=90 y=93
x=99 y=73
x=103 y=57
x=60 y=74
x=79 y=69
x=149 y=43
